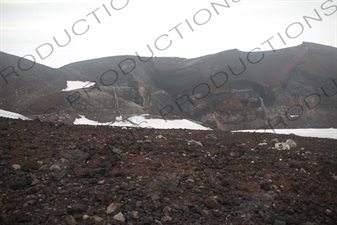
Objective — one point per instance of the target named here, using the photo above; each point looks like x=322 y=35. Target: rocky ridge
x=290 y=88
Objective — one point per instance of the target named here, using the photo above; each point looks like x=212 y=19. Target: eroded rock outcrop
x=289 y=88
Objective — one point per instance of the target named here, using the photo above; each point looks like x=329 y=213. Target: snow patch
x=7 y=114
x=74 y=85
x=142 y=122
x=310 y=132
x=85 y=121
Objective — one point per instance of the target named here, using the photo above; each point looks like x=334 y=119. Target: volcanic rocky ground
x=66 y=174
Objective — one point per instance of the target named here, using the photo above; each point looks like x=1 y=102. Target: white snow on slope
x=85 y=121
x=309 y=132
x=74 y=85
x=160 y=123
x=141 y=121
x=7 y=114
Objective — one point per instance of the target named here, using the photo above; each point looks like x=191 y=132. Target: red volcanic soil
x=72 y=174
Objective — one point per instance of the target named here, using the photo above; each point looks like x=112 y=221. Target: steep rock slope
x=293 y=87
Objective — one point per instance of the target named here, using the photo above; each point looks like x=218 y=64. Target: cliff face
x=288 y=88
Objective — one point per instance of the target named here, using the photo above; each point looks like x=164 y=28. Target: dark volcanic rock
x=212 y=203
x=225 y=182
x=17 y=184
x=265 y=185
x=76 y=209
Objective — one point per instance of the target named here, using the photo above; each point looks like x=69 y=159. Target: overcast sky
x=122 y=27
